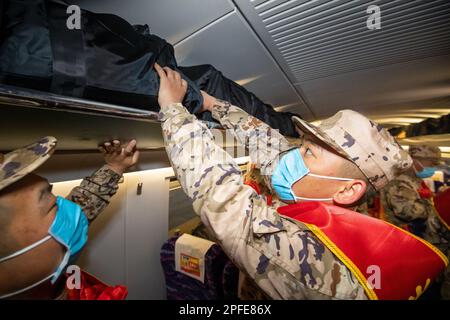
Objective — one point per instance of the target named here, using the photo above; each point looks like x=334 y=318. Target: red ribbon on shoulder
x=94 y=289
x=407 y=264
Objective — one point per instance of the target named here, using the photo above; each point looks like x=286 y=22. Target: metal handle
x=139 y=188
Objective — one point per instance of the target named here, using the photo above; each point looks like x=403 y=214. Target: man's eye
x=308 y=152
x=50 y=188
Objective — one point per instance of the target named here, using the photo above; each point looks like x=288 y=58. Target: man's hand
x=119 y=158
x=172 y=88
x=208 y=102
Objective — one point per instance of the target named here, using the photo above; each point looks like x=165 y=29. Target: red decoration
x=94 y=289
x=407 y=264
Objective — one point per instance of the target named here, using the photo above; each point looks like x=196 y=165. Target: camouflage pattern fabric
x=283 y=256
x=264 y=143
x=95 y=192
x=424 y=151
x=17 y=164
x=402 y=202
x=368 y=145
x=404 y=207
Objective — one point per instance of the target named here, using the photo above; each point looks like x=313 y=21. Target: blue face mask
x=70 y=229
x=426 y=172
x=290 y=169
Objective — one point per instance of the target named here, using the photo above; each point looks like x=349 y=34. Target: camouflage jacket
x=94 y=192
x=282 y=255
x=403 y=206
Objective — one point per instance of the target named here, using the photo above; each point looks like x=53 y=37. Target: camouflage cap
x=362 y=141
x=424 y=151
x=20 y=162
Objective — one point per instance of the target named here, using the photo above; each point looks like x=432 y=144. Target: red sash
x=442 y=206
x=93 y=289
x=424 y=191
x=407 y=264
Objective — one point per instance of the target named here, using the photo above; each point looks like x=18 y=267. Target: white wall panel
x=146 y=228
x=125 y=240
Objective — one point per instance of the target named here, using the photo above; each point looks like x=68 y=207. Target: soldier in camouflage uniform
x=406 y=204
x=28 y=209
x=283 y=256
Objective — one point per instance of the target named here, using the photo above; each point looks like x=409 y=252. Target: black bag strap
x=69 y=68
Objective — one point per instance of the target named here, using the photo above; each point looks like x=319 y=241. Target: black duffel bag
x=211 y=80
x=106 y=60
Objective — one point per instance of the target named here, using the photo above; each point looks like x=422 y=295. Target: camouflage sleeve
x=437 y=233
x=285 y=259
x=402 y=203
x=263 y=142
x=94 y=192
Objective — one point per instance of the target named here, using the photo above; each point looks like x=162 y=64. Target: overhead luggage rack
x=10 y=95
x=78 y=124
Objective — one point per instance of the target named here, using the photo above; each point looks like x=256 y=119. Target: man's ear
x=351 y=192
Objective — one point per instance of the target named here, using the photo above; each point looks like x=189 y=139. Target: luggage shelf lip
x=23 y=97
